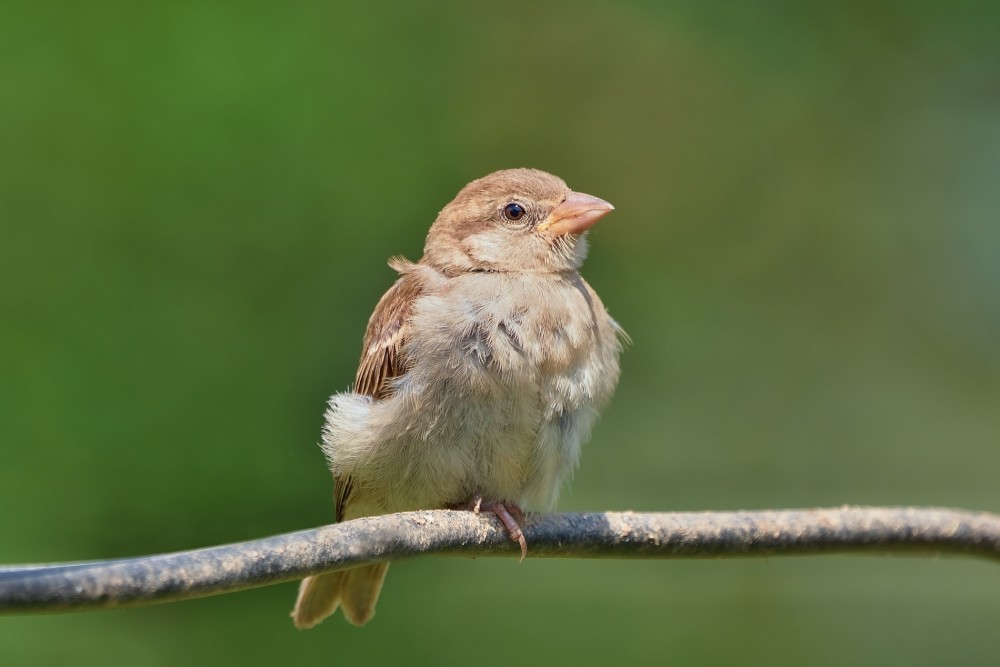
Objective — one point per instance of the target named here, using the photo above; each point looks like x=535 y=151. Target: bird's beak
x=575 y=214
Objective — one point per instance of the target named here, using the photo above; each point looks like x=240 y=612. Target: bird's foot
x=510 y=515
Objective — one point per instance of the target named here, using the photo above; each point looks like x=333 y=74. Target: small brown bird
x=482 y=371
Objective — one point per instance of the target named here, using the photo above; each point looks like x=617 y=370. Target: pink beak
x=576 y=214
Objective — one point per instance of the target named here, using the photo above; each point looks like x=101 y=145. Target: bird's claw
x=510 y=515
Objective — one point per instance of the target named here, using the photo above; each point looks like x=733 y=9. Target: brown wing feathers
x=380 y=357
x=387 y=331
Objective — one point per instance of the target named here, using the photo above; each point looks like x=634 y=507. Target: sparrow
x=482 y=372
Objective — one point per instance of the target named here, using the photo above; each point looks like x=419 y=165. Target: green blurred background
x=196 y=206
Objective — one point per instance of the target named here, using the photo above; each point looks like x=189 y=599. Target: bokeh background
x=196 y=206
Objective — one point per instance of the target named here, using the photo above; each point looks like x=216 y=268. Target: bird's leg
x=507 y=512
x=510 y=515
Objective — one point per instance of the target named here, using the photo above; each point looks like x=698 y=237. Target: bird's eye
x=513 y=211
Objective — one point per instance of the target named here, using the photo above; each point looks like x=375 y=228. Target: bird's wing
x=388 y=329
x=381 y=355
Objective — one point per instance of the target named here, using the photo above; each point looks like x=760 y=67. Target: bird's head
x=516 y=220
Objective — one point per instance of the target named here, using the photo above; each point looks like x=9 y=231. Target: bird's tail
x=355 y=591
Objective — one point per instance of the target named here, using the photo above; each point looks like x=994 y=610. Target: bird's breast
x=504 y=376
x=499 y=332
x=504 y=353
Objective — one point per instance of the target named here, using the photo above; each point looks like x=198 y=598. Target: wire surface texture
x=127 y=582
